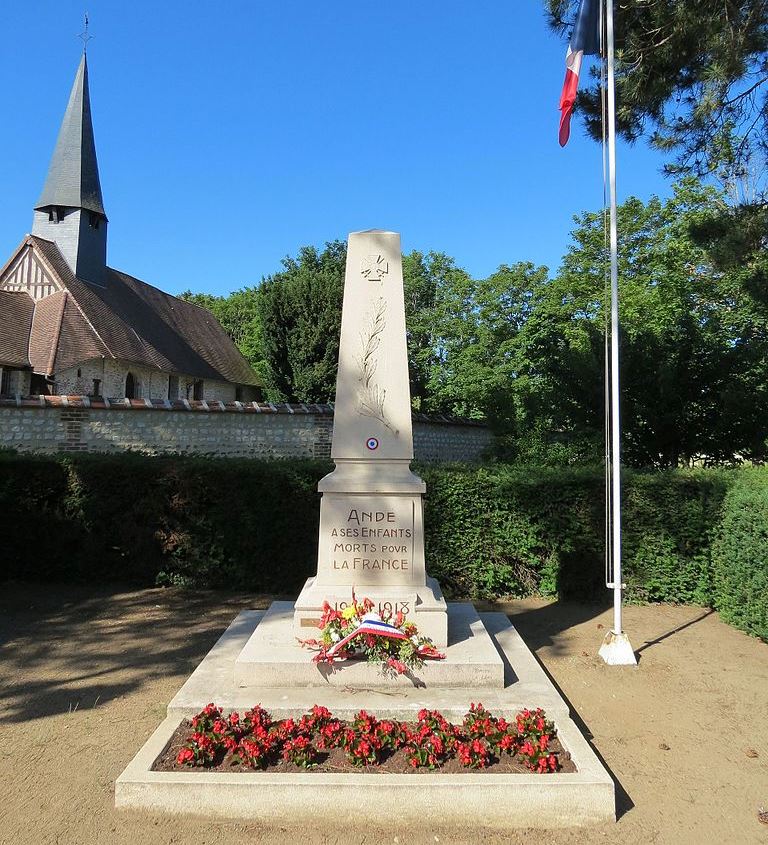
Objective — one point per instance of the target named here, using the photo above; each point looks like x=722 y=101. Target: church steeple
x=70 y=210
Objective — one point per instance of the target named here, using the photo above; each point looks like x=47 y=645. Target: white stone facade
x=148 y=383
x=18 y=380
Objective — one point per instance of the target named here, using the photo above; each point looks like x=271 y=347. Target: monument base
x=424 y=801
x=422 y=605
x=272 y=657
x=616 y=650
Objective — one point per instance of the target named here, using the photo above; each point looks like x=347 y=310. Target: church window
x=197 y=390
x=238 y=393
x=173 y=387
x=5 y=382
x=94 y=220
x=130 y=386
x=79 y=373
x=96 y=391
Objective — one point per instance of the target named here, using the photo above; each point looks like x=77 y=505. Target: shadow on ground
x=64 y=648
x=540 y=627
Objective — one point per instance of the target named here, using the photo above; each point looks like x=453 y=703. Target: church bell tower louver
x=70 y=210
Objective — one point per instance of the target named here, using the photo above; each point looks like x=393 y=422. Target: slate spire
x=73 y=174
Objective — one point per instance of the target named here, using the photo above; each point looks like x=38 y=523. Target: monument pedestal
x=372 y=543
x=424 y=606
x=423 y=801
x=272 y=657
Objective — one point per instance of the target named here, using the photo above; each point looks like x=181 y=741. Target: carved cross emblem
x=374 y=267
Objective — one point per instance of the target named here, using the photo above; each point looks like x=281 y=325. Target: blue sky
x=231 y=134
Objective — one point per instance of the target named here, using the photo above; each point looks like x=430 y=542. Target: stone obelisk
x=371 y=511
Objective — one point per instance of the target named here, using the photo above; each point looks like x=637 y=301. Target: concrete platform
x=273 y=657
x=490 y=801
x=525 y=685
x=500 y=802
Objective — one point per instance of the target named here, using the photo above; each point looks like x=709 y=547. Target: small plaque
x=309 y=623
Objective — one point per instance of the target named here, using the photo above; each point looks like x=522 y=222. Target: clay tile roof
x=77 y=340
x=16 y=310
x=128 y=319
x=44 y=336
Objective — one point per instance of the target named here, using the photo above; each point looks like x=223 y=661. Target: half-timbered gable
x=28 y=272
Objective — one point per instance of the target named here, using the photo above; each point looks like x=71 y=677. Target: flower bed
x=321 y=742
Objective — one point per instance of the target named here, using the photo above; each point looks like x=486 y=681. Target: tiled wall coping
x=212 y=406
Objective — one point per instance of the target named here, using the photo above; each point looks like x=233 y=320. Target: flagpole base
x=616 y=650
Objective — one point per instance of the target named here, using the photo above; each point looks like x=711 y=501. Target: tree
x=427 y=278
x=694 y=77
x=480 y=322
x=300 y=313
x=301 y=317
x=694 y=343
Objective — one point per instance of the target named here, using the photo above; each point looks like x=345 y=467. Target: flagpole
x=616 y=649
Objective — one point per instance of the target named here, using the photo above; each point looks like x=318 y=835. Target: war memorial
x=371 y=546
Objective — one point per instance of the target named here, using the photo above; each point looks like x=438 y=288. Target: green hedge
x=139 y=520
x=740 y=555
x=504 y=530
x=689 y=536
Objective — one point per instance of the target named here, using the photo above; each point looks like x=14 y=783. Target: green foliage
x=668 y=521
x=514 y=530
x=424 y=277
x=693 y=76
x=694 y=345
x=525 y=350
x=167 y=520
x=300 y=312
x=740 y=555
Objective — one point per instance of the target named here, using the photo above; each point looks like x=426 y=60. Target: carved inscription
x=371 y=541
x=383 y=608
x=368 y=540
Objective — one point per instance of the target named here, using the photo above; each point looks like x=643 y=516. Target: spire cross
x=84 y=36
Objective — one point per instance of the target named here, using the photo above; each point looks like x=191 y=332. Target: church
x=71 y=325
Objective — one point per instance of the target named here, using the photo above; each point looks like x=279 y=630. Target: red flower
x=185 y=756
x=397 y=665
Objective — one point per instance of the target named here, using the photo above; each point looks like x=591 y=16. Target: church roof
x=16 y=309
x=73 y=174
x=127 y=319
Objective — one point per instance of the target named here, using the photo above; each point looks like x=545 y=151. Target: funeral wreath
x=357 y=631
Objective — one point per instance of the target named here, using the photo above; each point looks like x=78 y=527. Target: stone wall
x=253 y=430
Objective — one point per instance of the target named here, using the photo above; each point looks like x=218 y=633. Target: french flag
x=370 y=624
x=585 y=41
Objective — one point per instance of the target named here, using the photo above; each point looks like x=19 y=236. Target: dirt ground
x=85 y=677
